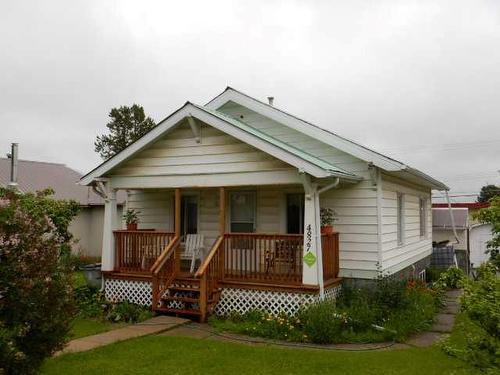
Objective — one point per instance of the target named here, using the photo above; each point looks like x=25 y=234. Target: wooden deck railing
x=164 y=270
x=330 y=248
x=264 y=258
x=136 y=251
x=211 y=273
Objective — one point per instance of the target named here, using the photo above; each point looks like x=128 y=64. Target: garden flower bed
x=391 y=310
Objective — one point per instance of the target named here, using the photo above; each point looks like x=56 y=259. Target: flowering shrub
x=36 y=304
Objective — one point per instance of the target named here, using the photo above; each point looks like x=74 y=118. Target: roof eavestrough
x=245 y=133
x=435 y=184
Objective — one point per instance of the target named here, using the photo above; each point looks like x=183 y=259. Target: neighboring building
x=251 y=179
x=87 y=226
x=472 y=235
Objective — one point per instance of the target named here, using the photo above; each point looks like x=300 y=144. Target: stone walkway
x=443 y=324
x=155 y=325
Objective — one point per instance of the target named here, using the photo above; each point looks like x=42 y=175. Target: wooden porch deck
x=240 y=260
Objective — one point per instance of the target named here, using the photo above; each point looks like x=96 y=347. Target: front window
x=400 y=218
x=243 y=212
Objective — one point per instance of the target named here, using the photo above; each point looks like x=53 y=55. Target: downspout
x=451 y=217
x=100 y=190
x=457 y=241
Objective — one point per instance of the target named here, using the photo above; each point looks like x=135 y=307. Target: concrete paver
x=154 y=325
x=424 y=339
x=444 y=323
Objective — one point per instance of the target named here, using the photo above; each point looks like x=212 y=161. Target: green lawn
x=175 y=355
x=85 y=327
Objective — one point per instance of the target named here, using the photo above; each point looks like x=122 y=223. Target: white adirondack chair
x=193 y=249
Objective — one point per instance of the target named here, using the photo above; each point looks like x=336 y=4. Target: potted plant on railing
x=131 y=218
x=328 y=217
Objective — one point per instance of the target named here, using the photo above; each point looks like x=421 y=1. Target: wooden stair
x=183 y=298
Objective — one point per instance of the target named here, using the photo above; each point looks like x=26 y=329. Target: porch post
x=177 y=219
x=222 y=211
x=312 y=247
x=110 y=224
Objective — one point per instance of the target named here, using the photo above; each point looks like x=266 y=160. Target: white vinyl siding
x=178 y=153
x=396 y=256
x=356 y=208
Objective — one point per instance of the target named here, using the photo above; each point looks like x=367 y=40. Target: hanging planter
x=328 y=217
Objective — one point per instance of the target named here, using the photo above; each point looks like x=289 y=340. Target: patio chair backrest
x=193 y=242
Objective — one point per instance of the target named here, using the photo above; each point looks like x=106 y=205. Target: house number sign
x=309 y=258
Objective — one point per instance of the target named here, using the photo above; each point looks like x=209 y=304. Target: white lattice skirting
x=275 y=302
x=139 y=292
x=231 y=300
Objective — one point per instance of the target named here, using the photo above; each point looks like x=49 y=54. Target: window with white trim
x=243 y=211
x=400 y=218
x=423 y=216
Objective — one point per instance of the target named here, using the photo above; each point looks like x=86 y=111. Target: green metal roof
x=334 y=170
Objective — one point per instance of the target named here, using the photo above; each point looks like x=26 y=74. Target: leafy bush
x=452 y=278
x=36 y=305
x=126 y=312
x=389 y=292
x=479 y=339
x=90 y=302
x=432 y=274
x=321 y=322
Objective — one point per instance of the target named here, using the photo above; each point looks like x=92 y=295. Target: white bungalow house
x=251 y=180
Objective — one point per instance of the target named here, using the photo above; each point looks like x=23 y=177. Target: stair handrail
x=208 y=279
x=165 y=254
x=159 y=282
x=213 y=251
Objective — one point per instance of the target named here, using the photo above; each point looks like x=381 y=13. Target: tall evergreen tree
x=127 y=125
x=487 y=192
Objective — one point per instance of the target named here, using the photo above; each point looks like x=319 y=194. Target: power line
x=442 y=146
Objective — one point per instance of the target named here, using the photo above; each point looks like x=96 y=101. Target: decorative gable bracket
x=195 y=127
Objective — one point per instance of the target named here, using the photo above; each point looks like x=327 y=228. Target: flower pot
x=132 y=226
x=327 y=229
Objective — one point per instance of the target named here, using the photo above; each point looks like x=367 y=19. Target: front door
x=189 y=215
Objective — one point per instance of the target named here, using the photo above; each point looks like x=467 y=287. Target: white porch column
x=312 y=271
x=110 y=224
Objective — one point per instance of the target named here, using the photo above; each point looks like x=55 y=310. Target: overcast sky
x=418 y=80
